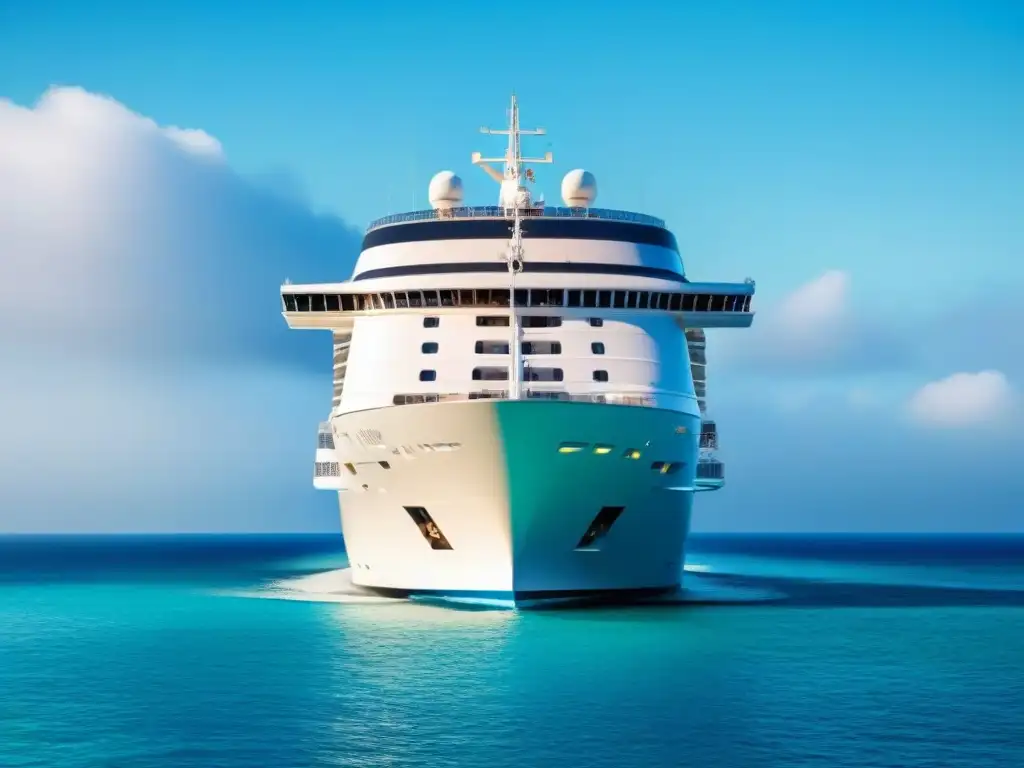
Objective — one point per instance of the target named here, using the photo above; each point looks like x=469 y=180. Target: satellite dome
x=579 y=188
x=445 y=190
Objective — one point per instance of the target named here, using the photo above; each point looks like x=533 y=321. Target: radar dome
x=579 y=188
x=445 y=190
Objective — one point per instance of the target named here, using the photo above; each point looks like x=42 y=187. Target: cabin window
x=574 y=298
x=429 y=348
x=601 y=376
x=544 y=374
x=428 y=375
x=490 y=373
x=541 y=321
x=493 y=321
x=596 y=322
x=289 y=302
x=448 y=298
x=631 y=300
x=604 y=299
x=642 y=300
x=620 y=300
x=431 y=322
x=491 y=348
x=542 y=347
x=597 y=347
x=590 y=298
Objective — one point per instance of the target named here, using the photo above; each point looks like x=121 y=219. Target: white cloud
x=139 y=314
x=962 y=400
x=813 y=329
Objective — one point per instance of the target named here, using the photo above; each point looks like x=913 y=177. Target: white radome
x=579 y=188
x=445 y=190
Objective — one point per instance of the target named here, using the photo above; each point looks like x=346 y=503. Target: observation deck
x=498 y=212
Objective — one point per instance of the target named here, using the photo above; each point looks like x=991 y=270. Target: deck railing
x=497 y=212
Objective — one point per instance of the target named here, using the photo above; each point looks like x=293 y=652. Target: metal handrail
x=497 y=212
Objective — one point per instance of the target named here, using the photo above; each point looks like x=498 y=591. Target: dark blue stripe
x=549 y=267
x=500 y=229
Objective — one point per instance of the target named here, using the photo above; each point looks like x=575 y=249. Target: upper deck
x=497 y=212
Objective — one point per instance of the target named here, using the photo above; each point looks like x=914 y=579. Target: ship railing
x=710 y=469
x=497 y=212
x=612 y=398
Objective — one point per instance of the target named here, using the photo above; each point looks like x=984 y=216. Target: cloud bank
x=148 y=374
x=963 y=399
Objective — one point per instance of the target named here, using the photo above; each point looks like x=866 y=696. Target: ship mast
x=513 y=197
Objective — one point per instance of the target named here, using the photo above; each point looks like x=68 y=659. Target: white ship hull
x=512 y=506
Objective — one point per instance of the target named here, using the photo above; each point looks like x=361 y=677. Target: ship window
x=544 y=374
x=542 y=347
x=499 y=298
x=430 y=299
x=415 y=299
x=631 y=300
x=631 y=453
x=642 y=300
x=490 y=373
x=318 y=302
x=401 y=299
x=331 y=302
x=351 y=468
x=746 y=304
x=689 y=302
x=428 y=375
x=596 y=322
x=600 y=375
x=492 y=320
x=620 y=299
x=590 y=298
x=600 y=526
x=447 y=298
x=302 y=302
x=602 y=450
x=466 y=298
x=574 y=298
x=674 y=303
x=604 y=299
x=384 y=464
x=289 y=302
x=571 y=447
x=718 y=303
x=522 y=297
x=428 y=527
x=663 y=301
x=543 y=297
x=491 y=348
x=597 y=347
x=429 y=348
x=541 y=321
x=431 y=322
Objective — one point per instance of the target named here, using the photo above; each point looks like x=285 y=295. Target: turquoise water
x=136 y=651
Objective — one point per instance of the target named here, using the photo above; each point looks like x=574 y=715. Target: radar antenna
x=513 y=193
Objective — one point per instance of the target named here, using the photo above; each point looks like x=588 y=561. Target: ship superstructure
x=519 y=395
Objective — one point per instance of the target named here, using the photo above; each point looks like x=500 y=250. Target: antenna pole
x=513 y=194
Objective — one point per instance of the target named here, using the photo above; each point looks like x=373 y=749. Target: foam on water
x=335 y=586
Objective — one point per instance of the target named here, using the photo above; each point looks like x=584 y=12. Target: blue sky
x=863 y=161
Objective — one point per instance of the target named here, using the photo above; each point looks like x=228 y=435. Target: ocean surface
x=251 y=651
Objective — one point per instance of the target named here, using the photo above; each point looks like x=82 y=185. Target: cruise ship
x=519 y=406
